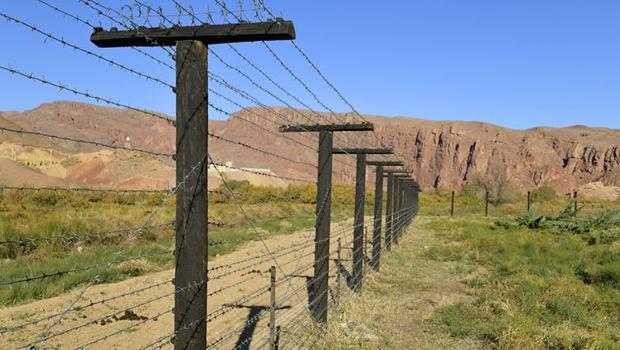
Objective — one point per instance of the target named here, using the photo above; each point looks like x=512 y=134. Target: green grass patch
x=110 y=265
x=51 y=231
x=543 y=283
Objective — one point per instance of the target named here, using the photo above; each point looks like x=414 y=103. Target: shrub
x=471 y=190
x=599 y=228
x=501 y=190
x=543 y=194
x=46 y=198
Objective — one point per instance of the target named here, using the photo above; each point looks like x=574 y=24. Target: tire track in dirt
x=144 y=317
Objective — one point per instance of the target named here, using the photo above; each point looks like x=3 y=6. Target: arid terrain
x=146 y=318
x=442 y=154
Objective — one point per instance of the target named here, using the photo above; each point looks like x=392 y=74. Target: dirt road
x=137 y=313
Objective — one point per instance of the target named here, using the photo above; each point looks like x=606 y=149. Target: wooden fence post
x=338 y=273
x=376 y=232
x=319 y=296
x=486 y=203
x=378 y=219
x=190 y=308
x=452 y=205
x=358 y=222
x=576 y=204
x=272 y=309
x=396 y=210
x=389 y=211
x=191 y=214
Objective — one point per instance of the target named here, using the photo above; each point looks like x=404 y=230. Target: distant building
x=228 y=167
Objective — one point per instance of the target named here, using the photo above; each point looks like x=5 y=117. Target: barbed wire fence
x=252 y=301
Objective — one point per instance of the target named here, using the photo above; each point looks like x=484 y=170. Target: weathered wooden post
x=360 y=196
x=398 y=209
x=406 y=205
x=272 y=309
x=389 y=211
x=452 y=205
x=365 y=256
x=398 y=206
x=338 y=274
x=529 y=200
x=376 y=237
x=486 y=203
x=191 y=43
x=319 y=295
x=576 y=204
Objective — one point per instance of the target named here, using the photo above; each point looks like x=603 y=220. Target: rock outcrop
x=442 y=154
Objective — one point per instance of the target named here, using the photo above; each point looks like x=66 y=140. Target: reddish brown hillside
x=441 y=153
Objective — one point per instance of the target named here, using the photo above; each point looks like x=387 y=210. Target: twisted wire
x=87 y=52
x=87 y=23
x=83 y=235
x=95 y=143
x=88 y=95
x=82 y=307
x=245 y=145
x=79 y=269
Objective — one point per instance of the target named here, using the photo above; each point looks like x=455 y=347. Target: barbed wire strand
x=63 y=42
x=92 y=26
x=88 y=142
x=256 y=149
x=85 y=94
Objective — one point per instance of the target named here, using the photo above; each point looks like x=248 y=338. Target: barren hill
x=441 y=153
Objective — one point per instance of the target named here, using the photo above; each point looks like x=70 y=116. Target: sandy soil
x=143 y=319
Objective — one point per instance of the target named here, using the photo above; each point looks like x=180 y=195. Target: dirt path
x=393 y=310
x=143 y=317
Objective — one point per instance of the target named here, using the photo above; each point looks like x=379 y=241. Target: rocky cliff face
x=442 y=154
x=448 y=154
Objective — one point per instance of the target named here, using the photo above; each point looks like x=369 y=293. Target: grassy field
x=51 y=232
x=469 y=282
x=438 y=203
x=549 y=279
x=553 y=284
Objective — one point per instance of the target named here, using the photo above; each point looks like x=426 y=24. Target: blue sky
x=519 y=63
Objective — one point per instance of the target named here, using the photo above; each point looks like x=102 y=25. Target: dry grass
x=395 y=306
x=470 y=283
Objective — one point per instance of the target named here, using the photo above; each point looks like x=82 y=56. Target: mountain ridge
x=441 y=154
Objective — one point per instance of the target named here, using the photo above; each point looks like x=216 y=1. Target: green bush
x=597 y=228
x=471 y=190
x=47 y=198
x=500 y=189
x=543 y=194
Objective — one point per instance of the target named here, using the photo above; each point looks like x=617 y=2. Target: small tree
x=544 y=193
x=500 y=189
